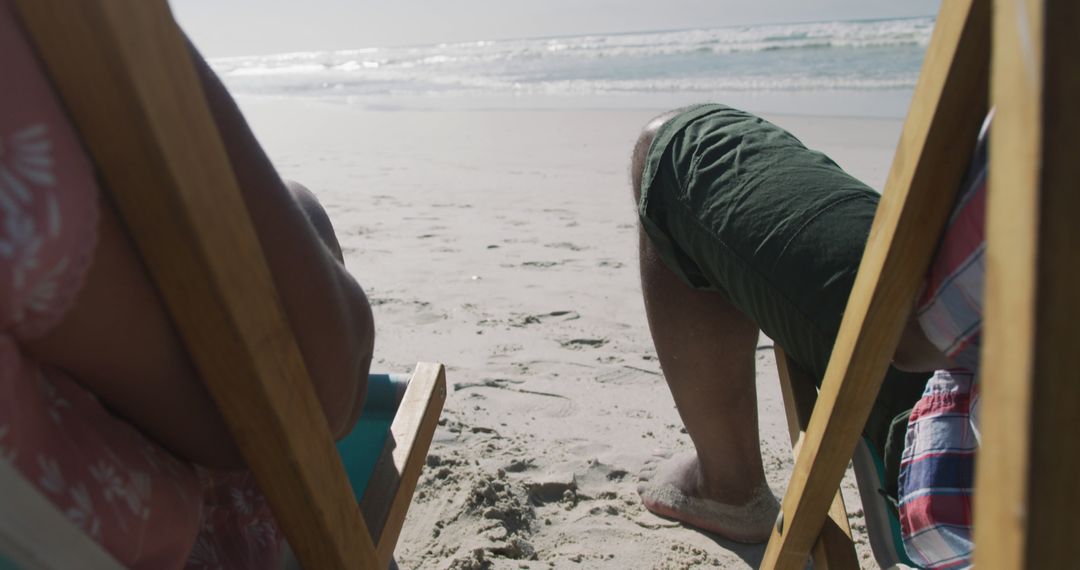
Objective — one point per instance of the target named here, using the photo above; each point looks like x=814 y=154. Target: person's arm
x=119 y=342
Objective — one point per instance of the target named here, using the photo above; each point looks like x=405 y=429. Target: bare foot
x=675 y=492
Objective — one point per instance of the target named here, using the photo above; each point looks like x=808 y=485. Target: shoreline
x=885 y=104
x=862 y=145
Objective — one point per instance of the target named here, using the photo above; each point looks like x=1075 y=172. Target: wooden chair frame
x=123 y=70
x=1026 y=495
x=1030 y=385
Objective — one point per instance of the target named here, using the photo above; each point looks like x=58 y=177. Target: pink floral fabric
x=147 y=508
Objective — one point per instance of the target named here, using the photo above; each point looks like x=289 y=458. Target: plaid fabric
x=950 y=306
x=938 y=464
x=937 y=471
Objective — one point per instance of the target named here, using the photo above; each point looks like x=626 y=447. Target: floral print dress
x=147 y=508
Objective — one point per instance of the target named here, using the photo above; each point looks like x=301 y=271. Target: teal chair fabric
x=882 y=524
x=360 y=449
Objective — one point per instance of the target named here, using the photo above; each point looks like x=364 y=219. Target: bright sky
x=251 y=27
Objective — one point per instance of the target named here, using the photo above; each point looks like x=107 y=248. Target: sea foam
x=808 y=58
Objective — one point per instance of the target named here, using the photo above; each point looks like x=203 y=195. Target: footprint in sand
x=380 y=301
x=537 y=319
x=421 y=312
x=505 y=349
x=566 y=245
x=548 y=404
x=626 y=374
x=541 y=264
x=382 y=199
x=583 y=343
x=427 y=318
x=519 y=465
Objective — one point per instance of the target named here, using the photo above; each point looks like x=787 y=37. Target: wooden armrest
x=390 y=491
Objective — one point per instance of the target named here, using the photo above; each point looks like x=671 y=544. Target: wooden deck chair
x=1026 y=493
x=126 y=78
x=948 y=106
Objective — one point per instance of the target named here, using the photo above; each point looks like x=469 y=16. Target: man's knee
x=316 y=214
x=641 y=148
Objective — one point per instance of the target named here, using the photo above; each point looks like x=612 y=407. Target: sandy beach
x=503 y=244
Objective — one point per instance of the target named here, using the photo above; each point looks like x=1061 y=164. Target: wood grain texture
x=1027 y=492
x=933 y=153
x=404 y=452
x=35 y=534
x=833 y=548
x=396 y=474
x=125 y=76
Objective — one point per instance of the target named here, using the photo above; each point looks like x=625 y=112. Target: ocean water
x=833 y=68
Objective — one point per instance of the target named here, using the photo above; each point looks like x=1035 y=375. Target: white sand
x=503 y=244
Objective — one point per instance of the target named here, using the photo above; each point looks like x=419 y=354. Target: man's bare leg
x=706 y=348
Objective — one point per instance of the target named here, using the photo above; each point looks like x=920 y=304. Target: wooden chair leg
x=834 y=548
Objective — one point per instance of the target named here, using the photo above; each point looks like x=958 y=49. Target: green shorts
x=737 y=205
